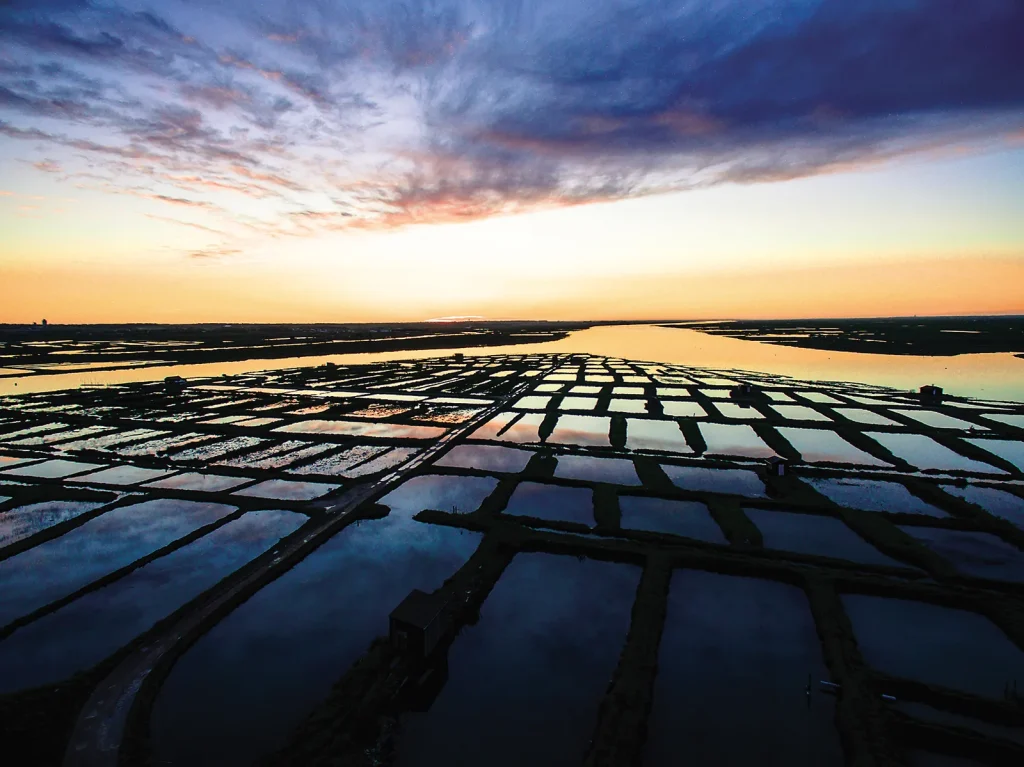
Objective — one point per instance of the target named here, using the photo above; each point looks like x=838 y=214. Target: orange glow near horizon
x=933 y=238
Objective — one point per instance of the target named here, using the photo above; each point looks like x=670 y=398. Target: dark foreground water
x=240 y=691
x=732 y=671
x=525 y=683
x=89 y=629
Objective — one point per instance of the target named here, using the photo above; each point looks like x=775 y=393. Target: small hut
x=174 y=384
x=419 y=623
x=931 y=393
x=743 y=391
x=777 y=466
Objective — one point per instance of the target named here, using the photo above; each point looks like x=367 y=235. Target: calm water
x=89 y=629
x=105 y=543
x=23 y=521
x=732 y=670
x=617 y=471
x=812 y=534
x=937 y=645
x=552 y=502
x=993 y=376
x=972 y=553
x=494 y=458
x=238 y=693
x=688 y=518
x=525 y=682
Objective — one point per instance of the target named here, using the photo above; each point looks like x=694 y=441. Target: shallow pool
x=999 y=503
x=824 y=446
x=552 y=502
x=237 y=694
x=700 y=480
x=21 y=522
x=583 y=430
x=932 y=644
x=506 y=460
x=925 y=453
x=616 y=471
x=106 y=543
x=89 y=629
x=734 y=439
x=733 y=666
x=524 y=684
x=650 y=434
x=659 y=515
x=814 y=534
x=972 y=553
x=872 y=495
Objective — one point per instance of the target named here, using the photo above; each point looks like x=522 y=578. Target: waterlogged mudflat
x=105 y=543
x=687 y=518
x=813 y=534
x=524 y=684
x=552 y=502
x=872 y=495
x=700 y=480
x=89 y=629
x=237 y=694
x=19 y=523
x=932 y=644
x=730 y=684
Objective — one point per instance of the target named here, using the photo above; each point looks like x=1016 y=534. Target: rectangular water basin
x=824 y=446
x=616 y=471
x=818 y=535
x=649 y=434
x=84 y=632
x=690 y=519
x=873 y=495
x=700 y=480
x=937 y=645
x=106 y=543
x=734 y=439
x=552 y=502
x=526 y=681
x=734 y=661
x=583 y=430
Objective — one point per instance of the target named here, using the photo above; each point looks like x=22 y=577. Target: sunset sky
x=363 y=160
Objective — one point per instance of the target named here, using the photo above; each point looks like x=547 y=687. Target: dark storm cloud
x=391 y=112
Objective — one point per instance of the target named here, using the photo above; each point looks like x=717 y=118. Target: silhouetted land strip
x=931 y=336
x=53 y=347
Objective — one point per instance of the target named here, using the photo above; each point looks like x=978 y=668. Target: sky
x=387 y=160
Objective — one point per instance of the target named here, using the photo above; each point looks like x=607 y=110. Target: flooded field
x=627 y=560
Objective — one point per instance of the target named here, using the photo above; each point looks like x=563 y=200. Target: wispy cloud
x=395 y=112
